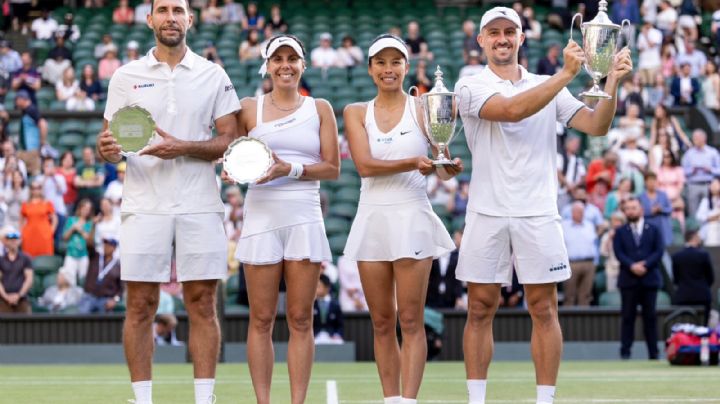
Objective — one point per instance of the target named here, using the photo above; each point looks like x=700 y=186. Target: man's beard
x=170 y=42
x=633 y=219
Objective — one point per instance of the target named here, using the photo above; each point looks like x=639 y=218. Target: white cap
x=500 y=12
x=388 y=42
x=326 y=35
x=275 y=44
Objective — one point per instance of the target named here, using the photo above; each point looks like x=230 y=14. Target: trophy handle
x=572 y=24
x=413 y=111
x=623 y=24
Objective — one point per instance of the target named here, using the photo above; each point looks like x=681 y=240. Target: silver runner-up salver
x=247 y=160
x=132 y=128
x=599 y=43
x=439 y=109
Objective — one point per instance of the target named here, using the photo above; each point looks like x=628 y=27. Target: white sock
x=545 y=394
x=392 y=400
x=476 y=391
x=143 y=392
x=204 y=390
x=404 y=400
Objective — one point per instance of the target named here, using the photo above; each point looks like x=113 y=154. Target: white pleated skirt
x=404 y=228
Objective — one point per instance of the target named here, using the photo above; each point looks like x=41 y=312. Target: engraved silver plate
x=247 y=160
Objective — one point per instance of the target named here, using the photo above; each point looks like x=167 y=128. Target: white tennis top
x=184 y=102
x=403 y=141
x=514 y=164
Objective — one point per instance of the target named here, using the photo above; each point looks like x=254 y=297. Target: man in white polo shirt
x=171 y=201
x=510 y=119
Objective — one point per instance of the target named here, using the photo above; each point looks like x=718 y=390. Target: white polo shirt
x=514 y=164
x=184 y=102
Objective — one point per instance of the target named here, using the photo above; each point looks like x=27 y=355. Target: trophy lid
x=601 y=18
x=439 y=86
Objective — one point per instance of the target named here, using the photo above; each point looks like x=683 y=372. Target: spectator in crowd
x=106 y=224
x=233 y=212
x=591 y=213
x=27 y=78
x=686 y=21
x=44 y=27
x=90 y=83
x=38 y=223
x=714 y=25
x=132 y=52
x=59 y=58
x=439 y=191
x=90 y=177
x=605 y=168
x=612 y=265
x=211 y=13
x=20 y=11
x=701 y=163
x=67 y=170
x=444 y=291
x=232 y=13
x=534 y=28
x=351 y=294
x=473 y=65
x=550 y=64
x=580 y=240
x=693 y=274
x=639 y=247
x=4 y=88
x=670 y=176
x=61 y=296
x=457 y=204
x=571 y=170
x=33 y=131
x=349 y=54
x=324 y=56
x=276 y=22
x=54 y=187
x=710 y=84
x=210 y=53
x=633 y=120
x=649 y=44
x=141 y=12
x=470 y=42
x=16 y=275
x=10 y=60
x=658 y=94
x=164 y=330
x=660 y=142
x=420 y=79
x=629 y=93
x=327 y=316
x=668 y=60
x=77 y=233
x=684 y=88
x=104 y=46
x=15 y=194
x=253 y=19
x=667 y=19
x=676 y=141
x=624 y=191
x=70 y=30
x=103 y=288
x=693 y=57
x=108 y=64
x=598 y=197
x=115 y=188
x=123 y=13
x=250 y=48
x=708 y=215
x=417 y=45
x=633 y=160
x=626 y=10
x=657 y=208
x=9 y=153
x=80 y=102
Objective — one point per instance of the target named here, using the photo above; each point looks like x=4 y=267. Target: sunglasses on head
x=12 y=236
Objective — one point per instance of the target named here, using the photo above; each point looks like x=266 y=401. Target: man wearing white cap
x=324 y=56
x=510 y=117
x=171 y=203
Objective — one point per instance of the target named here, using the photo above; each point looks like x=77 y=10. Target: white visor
x=274 y=46
x=385 y=43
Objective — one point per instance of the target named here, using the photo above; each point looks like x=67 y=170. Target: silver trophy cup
x=600 y=36
x=439 y=110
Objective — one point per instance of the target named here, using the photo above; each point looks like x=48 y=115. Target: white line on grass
x=332 y=394
x=570 y=400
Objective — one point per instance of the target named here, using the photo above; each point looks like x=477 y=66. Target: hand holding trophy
x=600 y=37
x=439 y=107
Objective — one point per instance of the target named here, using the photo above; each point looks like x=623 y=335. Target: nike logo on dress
x=404 y=133
x=418 y=252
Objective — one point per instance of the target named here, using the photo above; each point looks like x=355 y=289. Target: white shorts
x=293 y=243
x=491 y=245
x=147 y=242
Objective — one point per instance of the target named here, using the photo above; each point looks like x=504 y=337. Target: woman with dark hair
x=90 y=84
x=625 y=189
x=283 y=234
x=38 y=222
x=250 y=48
x=15 y=193
x=67 y=170
x=77 y=234
x=349 y=54
x=677 y=137
x=708 y=215
x=395 y=234
x=253 y=19
x=670 y=176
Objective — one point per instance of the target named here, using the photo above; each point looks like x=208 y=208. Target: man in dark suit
x=327 y=316
x=693 y=274
x=444 y=290
x=639 y=247
x=684 y=88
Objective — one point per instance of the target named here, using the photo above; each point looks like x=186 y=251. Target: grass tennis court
x=510 y=382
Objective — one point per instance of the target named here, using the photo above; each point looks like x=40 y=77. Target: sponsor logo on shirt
x=230 y=87
x=404 y=132
x=141 y=86
x=385 y=140
x=279 y=124
x=559 y=267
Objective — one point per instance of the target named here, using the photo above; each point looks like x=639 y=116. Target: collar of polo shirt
x=495 y=78
x=188 y=60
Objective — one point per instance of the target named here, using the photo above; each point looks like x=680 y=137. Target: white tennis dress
x=394 y=218
x=283 y=220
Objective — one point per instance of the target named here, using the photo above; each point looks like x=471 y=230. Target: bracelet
x=296 y=170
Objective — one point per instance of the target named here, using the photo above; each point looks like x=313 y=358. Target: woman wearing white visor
x=395 y=234
x=283 y=234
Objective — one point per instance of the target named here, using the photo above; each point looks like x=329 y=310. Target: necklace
x=272 y=100
x=390 y=107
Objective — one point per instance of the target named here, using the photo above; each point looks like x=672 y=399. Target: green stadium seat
x=71 y=141
x=600 y=283
x=347 y=194
x=610 y=299
x=337 y=244
x=46 y=264
x=336 y=225
x=346 y=210
x=663 y=299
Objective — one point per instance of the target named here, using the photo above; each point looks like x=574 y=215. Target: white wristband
x=296 y=170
